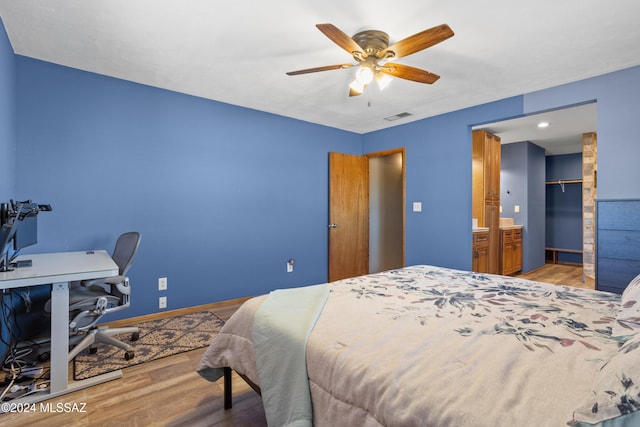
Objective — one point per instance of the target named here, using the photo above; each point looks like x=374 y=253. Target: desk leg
x=59 y=370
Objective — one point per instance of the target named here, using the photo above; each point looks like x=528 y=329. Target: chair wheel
x=135 y=336
x=128 y=355
x=93 y=350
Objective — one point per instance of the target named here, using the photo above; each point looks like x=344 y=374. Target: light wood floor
x=168 y=392
x=564 y=274
x=164 y=392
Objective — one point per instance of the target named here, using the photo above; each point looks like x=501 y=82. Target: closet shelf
x=562 y=181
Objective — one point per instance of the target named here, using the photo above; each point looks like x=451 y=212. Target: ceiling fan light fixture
x=382 y=80
x=357 y=87
x=364 y=75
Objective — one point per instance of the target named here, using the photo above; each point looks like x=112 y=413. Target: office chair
x=89 y=300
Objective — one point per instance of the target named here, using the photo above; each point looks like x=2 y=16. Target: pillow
x=628 y=318
x=632 y=288
x=616 y=387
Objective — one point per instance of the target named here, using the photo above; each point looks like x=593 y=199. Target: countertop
x=510 y=227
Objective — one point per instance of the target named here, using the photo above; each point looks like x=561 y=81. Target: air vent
x=398 y=116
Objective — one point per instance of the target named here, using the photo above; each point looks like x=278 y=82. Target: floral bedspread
x=430 y=346
x=483 y=304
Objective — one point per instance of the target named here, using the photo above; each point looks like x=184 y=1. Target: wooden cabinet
x=511 y=250
x=480 y=261
x=486 y=191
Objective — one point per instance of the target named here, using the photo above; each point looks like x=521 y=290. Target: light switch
x=417 y=206
x=516 y=209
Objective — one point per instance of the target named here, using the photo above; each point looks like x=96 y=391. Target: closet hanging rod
x=565 y=181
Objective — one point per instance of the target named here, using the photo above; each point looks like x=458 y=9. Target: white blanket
x=281 y=327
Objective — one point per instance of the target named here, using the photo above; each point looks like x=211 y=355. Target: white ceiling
x=238 y=51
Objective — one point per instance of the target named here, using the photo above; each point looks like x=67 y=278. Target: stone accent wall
x=589 y=183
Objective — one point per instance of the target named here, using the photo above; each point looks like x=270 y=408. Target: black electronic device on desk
x=18 y=229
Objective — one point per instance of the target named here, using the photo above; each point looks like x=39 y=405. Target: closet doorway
x=366 y=213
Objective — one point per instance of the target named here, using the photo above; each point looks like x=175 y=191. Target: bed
x=431 y=346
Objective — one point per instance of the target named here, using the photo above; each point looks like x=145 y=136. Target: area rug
x=158 y=339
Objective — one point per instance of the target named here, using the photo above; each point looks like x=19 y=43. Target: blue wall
x=564 y=166
x=533 y=253
x=223 y=196
x=7 y=117
x=7 y=140
x=522 y=170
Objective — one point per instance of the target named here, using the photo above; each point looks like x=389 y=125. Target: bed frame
x=228 y=389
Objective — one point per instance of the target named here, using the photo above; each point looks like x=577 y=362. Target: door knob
x=333 y=225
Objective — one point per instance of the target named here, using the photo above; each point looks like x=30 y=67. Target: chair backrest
x=125 y=251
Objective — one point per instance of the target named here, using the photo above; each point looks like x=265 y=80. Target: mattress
x=426 y=345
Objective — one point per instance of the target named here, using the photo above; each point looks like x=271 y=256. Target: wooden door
x=478 y=173
x=480 y=260
x=517 y=250
x=493 y=175
x=506 y=252
x=492 y=220
x=348 y=216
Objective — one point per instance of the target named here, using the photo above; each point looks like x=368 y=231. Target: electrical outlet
x=162 y=302
x=162 y=284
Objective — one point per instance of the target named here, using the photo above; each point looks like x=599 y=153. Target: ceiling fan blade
x=417 y=42
x=409 y=73
x=342 y=40
x=318 y=69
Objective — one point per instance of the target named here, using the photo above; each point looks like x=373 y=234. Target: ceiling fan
x=371 y=51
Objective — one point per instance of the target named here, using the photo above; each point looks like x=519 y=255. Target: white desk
x=58 y=269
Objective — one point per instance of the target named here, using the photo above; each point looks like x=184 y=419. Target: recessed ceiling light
x=543 y=124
